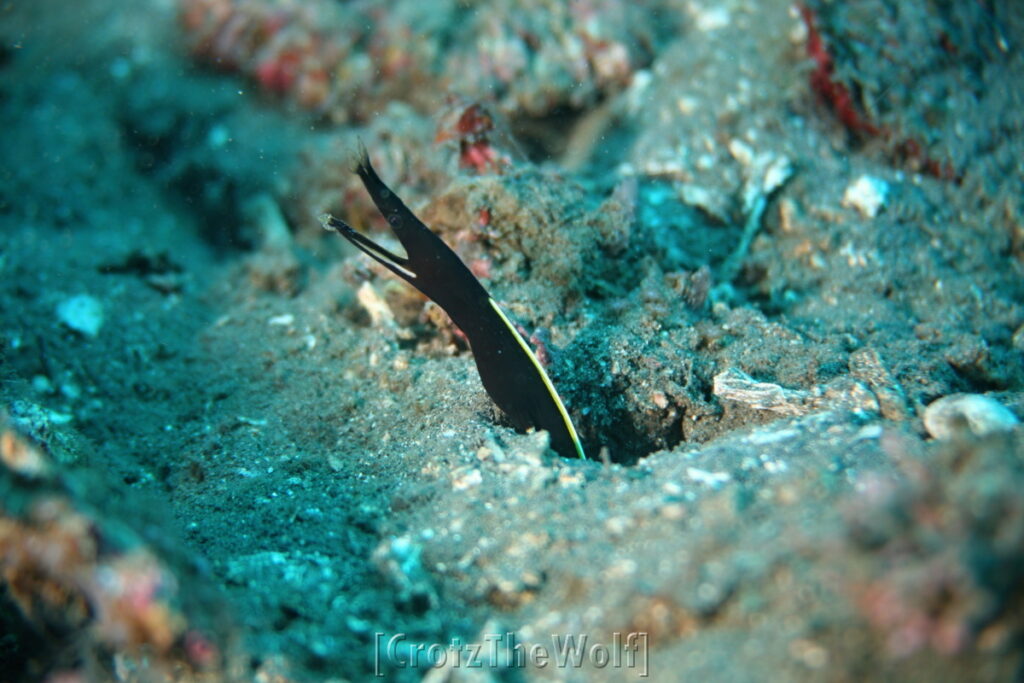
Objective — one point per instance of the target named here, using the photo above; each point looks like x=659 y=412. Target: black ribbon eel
x=509 y=370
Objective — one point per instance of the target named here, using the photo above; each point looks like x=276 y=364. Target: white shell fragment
x=283 y=320
x=867 y=194
x=466 y=478
x=21 y=456
x=710 y=18
x=735 y=385
x=842 y=393
x=714 y=480
x=951 y=415
x=82 y=313
x=375 y=305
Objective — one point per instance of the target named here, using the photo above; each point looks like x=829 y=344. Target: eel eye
x=394 y=219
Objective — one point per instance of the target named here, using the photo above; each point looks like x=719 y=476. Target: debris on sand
x=82 y=313
x=769 y=254
x=962 y=414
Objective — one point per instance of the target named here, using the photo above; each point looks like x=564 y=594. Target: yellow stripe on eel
x=544 y=376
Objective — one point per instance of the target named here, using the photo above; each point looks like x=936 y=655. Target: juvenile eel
x=509 y=371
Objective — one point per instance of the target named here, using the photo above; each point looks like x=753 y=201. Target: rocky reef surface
x=770 y=254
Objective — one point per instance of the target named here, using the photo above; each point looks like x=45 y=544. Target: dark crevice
x=6 y=54
x=28 y=651
x=601 y=409
x=208 y=159
x=211 y=196
x=544 y=138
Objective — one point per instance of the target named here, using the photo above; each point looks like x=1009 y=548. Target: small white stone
x=868 y=432
x=710 y=19
x=42 y=384
x=617 y=526
x=715 y=480
x=672 y=512
x=981 y=415
x=466 y=479
x=735 y=385
x=687 y=105
x=376 y=306
x=568 y=479
x=283 y=320
x=778 y=171
x=82 y=313
x=672 y=488
x=741 y=152
x=867 y=194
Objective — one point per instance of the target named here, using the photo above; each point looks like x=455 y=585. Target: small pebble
x=466 y=479
x=980 y=415
x=867 y=194
x=82 y=313
x=711 y=19
x=283 y=320
x=21 y=456
x=42 y=384
x=672 y=512
x=714 y=480
x=375 y=305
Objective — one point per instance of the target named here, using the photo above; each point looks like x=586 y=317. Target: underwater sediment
x=769 y=254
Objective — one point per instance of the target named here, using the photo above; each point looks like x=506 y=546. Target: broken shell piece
x=21 y=456
x=867 y=194
x=765 y=172
x=714 y=204
x=714 y=480
x=375 y=305
x=466 y=478
x=843 y=393
x=738 y=386
x=710 y=19
x=979 y=415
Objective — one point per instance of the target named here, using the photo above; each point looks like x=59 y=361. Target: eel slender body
x=509 y=370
